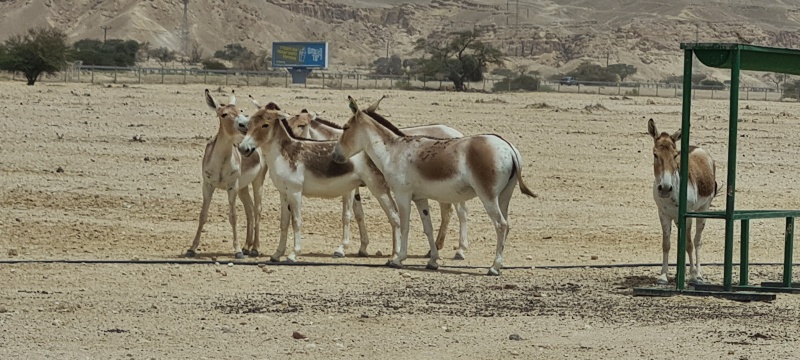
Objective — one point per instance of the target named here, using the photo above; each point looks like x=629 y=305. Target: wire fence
x=362 y=80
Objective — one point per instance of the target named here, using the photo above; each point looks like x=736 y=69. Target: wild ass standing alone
x=301 y=167
x=701 y=190
x=308 y=125
x=224 y=168
x=445 y=170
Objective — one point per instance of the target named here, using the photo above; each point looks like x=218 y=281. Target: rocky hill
x=549 y=35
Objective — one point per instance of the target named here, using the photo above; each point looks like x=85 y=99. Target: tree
x=622 y=70
x=163 y=55
x=776 y=78
x=791 y=89
x=587 y=71
x=390 y=66
x=144 y=51
x=41 y=50
x=114 y=52
x=460 y=58
x=210 y=64
x=196 y=54
x=231 y=52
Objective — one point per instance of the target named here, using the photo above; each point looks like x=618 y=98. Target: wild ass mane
x=381 y=120
x=295 y=137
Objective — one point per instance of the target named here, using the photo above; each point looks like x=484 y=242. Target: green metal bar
x=680 y=273
x=733 y=123
x=787 y=252
x=744 y=255
x=745 y=214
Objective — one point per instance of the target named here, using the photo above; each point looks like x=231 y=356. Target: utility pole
x=105 y=31
x=607 y=55
x=185 y=28
x=517 y=15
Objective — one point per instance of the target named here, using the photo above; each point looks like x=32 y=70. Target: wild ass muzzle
x=224 y=168
x=444 y=170
x=309 y=125
x=700 y=191
x=302 y=167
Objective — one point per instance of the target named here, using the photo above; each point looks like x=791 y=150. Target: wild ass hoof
x=428 y=255
x=291 y=259
x=245 y=252
x=662 y=280
x=338 y=255
x=458 y=256
x=190 y=253
x=493 y=272
x=432 y=266
x=254 y=253
x=274 y=259
x=239 y=255
x=694 y=280
x=391 y=264
x=363 y=253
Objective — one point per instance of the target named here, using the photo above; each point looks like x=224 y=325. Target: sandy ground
x=591 y=166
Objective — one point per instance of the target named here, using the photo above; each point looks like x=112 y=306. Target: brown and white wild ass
x=700 y=191
x=309 y=125
x=224 y=168
x=445 y=170
x=302 y=167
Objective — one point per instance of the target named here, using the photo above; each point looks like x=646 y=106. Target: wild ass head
x=665 y=159
x=261 y=128
x=301 y=123
x=231 y=120
x=358 y=130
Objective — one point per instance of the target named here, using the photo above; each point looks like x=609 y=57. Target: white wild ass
x=301 y=167
x=224 y=168
x=700 y=191
x=309 y=125
x=445 y=170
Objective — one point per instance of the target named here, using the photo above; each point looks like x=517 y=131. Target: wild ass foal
x=445 y=170
x=299 y=167
x=701 y=190
x=309 y=125
x=224 y=168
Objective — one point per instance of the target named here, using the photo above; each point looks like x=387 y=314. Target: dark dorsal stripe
x=328 y=123
x=381 y=120
x=292 y=135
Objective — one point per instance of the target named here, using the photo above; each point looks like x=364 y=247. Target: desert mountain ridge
x=552 y=36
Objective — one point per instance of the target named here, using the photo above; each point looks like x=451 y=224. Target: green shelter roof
x=753 y=57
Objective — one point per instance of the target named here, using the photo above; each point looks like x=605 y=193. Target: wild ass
x=309 y=125
x=701 y=190
x=445 y=170
x=302 y=167
x=224 y=168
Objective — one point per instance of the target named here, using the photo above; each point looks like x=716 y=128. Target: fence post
x=247 y=78
x=712 y=93
x=205 y=77
x=391 y=83
x=92 y=75
x=13 y=75
x=765 y=94
x=323 y=80
x=185 y=70
x=226 y=77
x=747 y=92
x=286 y=79
x=657 y=86
x=619 y=89
x=115 y=75
x=357 y=78
x=65 y=75
x=267 y=81
x=139 y=75
x=598 y=89
x=676 y=91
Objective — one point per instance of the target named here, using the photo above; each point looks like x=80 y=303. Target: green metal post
x=733 y=123
x=680 y=273
x=744 y=255
x=787 y=252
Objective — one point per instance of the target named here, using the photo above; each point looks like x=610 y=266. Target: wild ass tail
x=517 y=163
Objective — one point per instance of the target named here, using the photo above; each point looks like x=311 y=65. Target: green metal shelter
x=736 y=57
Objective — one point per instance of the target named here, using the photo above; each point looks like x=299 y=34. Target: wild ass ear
x=232 y=100
x=255 y=102
x=676 y=136
x=352 y=104
x=374 y=106
x=210 y=101
x=272 y=106
x=651 y=128
x=304 y=111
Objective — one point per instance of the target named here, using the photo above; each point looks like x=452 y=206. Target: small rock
x=3 y=310
x=365 y=316
x=230 y=264
x=12 y=252
x=261 y=266
x=135 y=259
x=731 y=352
x=510 y=286
x=60 y=169
x=515 y=337
x=18 y=219
x=529 y=257
x=594 y=257
x=311 y=346
x=406 y=275
x=514 y=352
x=223 y=273
x=216 y=263
x=298 y=336
x=218 y=270
x=378 y=253
x=146 y=158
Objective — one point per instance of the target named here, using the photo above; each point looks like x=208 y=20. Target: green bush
x=114 y=52
x=403 y=84
x=209 y=64
x=522 y=82
x=713 y=84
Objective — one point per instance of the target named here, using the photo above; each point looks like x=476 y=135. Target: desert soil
x=587 y=156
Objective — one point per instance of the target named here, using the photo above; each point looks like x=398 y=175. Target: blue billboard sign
x=300 y=54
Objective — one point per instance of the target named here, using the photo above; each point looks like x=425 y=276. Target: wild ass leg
x=697 y=277
x=461 y=210
x=447 y=212
x=492 y=207
x=237 y=249
x=295 y=200
x=401 y=246
x=427 y=226
x=666 y=229
x=347 y=215
x=358 y=210
x=208 y=191
x=257 y=185
x=690 y=250
x=285 y=218
x=247 y=202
